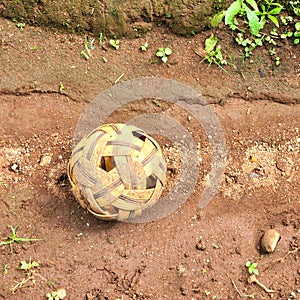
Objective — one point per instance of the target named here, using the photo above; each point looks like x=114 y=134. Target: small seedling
x=89 y=46
x=61 y=87
x=292 y=295
x=297 y=33
x=115 y=43
x=203 y=271
x=52 y=296
x=287 y=34
x=20 y=26
x=144 y=46
x=272 y=51
x=252 y=268
x=4 y=184
x=13 y=238
x=213 y=52
x=215 y=246
x=249 y=44
x=57 y=295
x=101 y=38
x=286 y=20
x=163 y=53
x=33 y=48
x=5 y=269
x=26 y=266
x=84 y=54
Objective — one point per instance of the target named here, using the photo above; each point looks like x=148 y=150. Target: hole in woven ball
x=139 y=136
x=151 y=182
x=107 y=163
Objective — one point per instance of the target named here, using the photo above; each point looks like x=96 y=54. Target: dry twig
x=239 y=292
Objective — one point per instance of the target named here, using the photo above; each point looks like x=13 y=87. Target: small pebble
x=261 y=73
x=269 y=240
x=61 y=293
x=14 y=167
x=45 y=160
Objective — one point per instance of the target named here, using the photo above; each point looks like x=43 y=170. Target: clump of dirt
x=112 y=18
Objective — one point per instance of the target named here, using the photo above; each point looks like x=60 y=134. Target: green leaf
x=275 y=11
x=24 y=265
x=164 y=59
x=297 y=26
x=296 y=41
x=84 y=54
x=210 y=43
x=253 y=4
x=254 y=23
x=274 y=20
x=35 y=264
x=232 y=10
x=217 y=19
x=168 y=51
x=159 y=53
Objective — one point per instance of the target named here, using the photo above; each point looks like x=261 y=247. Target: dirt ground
x=191 y=254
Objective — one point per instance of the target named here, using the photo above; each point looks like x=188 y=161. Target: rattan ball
x=117 y=171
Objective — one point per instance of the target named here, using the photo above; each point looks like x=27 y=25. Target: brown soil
x=191 y=254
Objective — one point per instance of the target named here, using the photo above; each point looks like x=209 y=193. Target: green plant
x=144 y=46
x=215 y=246
x=61 y=87
x=4 y=184
x=276 y=58
x=89 y=46
x=255 y=15
x=292 y=295
x=248 y=43
x=52 y=296
x=295 y=5
x=56 y=295
x=285 y=20
x=252 y=268
x=13 y=238
x=239 y=7
x=115 y=43
x=163 y=53
x=5 y=269
x=270 y=9
x=249 y=8
x=26 y=266
x=20 y=25
x=101 y=38
x=213 y=52
x=297 y=33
